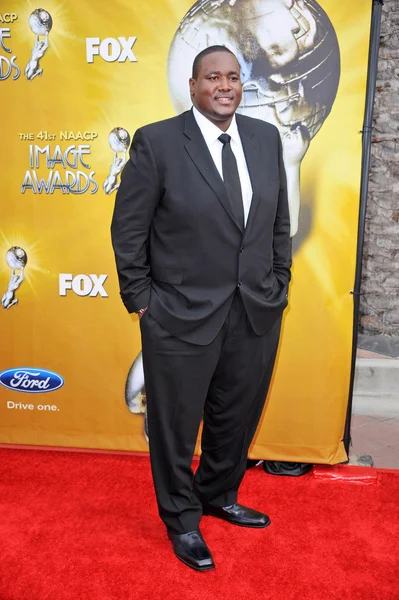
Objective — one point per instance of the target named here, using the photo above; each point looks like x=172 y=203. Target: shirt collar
x=211 y=132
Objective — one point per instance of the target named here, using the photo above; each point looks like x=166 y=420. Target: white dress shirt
x=211 y=133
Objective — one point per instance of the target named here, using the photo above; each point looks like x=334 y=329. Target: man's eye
x=213 y=77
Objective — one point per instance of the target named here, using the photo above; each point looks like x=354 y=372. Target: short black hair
x=205 y=52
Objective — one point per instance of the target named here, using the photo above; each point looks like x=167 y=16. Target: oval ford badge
x=31 y=381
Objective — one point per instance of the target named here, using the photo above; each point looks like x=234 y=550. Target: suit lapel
x=252 y=152
x=201 y=157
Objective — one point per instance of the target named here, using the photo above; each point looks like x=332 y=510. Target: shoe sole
x=200 y=569
x=239 y=524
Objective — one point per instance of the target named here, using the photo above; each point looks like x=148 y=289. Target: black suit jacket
x=178 y=246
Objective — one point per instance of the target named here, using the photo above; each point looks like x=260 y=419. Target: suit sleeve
x=282 y=257
x=136 y=201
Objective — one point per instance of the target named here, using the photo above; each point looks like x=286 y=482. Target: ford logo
x=31 y=381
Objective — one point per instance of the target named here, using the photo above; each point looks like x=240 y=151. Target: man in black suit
x=201 y=235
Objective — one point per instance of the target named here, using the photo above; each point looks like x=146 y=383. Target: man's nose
x=224 y=84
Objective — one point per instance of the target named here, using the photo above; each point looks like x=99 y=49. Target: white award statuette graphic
x=40 y=22
x=135 y=396
x=16 y=259
x=119 y=141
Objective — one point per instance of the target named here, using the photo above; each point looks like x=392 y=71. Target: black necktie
x=231 y=178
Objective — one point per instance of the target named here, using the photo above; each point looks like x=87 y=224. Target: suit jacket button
x=239 y=283
x=242 y=249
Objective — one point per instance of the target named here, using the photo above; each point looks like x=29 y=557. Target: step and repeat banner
x=77 y=79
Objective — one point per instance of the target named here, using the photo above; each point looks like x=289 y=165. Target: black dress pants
x=225 y=383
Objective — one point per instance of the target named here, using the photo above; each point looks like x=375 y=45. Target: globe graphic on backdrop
x=287 y=50
x=40 y=22
x=119 y=139
x=16 y=258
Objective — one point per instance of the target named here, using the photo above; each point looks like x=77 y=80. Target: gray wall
x=379 y=308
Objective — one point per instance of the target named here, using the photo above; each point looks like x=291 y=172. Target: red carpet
x=77 y=526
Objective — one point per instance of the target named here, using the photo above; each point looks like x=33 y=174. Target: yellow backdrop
x=90 y=341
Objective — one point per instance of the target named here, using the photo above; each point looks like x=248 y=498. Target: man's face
x=217 y=91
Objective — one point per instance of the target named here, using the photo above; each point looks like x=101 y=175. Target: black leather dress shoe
x=191 y=549
x=238 y=515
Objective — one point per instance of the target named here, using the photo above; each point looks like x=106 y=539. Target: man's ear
x=192 y=83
